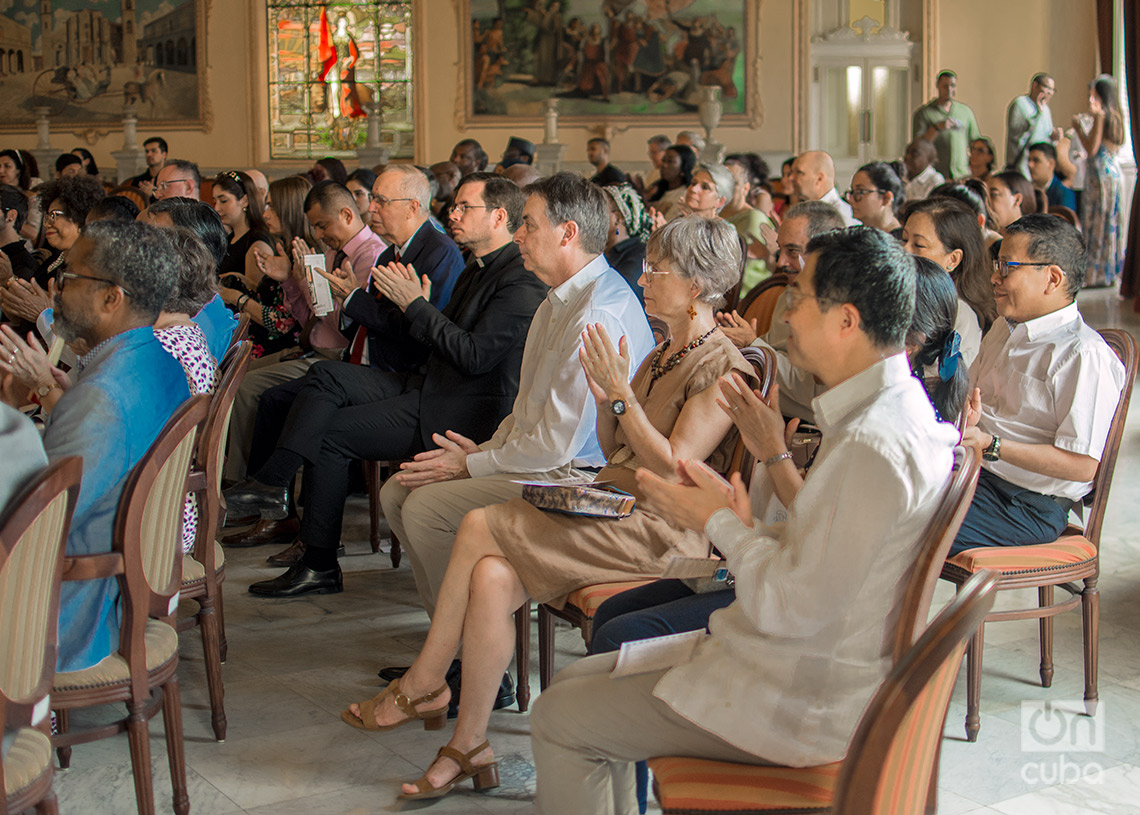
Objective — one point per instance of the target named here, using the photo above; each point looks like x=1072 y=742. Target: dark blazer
x=472 y=375
x=627 y=257
x=390 y=348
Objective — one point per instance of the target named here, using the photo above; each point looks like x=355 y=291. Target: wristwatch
x=993 y=452
x=44 y=390
x=617 y=407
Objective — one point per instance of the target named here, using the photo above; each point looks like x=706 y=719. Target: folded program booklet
x=595 y=500
x=319 y=290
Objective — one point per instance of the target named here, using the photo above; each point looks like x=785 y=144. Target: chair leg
x=139 y=742
x=522 y=656
x=545 y=647
x=974 y=683
x=172 y=724
x=373 y=482
x=208 y=621
x=63 y=753
x=48 y=805
x=1090 y=623
x=395 y=551
x=1044 y=600
x=220 y=612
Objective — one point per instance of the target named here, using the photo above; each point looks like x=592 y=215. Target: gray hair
x=139 y=257
x=706 y=250
x=196 y=285
x=413 y=184
x=821 y=217
x=695 y=139
x=660 y=140
x=722 y=177
x=569 y=197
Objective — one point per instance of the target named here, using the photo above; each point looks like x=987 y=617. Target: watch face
x=618 y=407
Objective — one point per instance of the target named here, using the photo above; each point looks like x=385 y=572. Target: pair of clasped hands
x=396 y=281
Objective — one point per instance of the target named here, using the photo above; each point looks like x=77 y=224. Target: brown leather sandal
x=433 y=719
x=486 y=776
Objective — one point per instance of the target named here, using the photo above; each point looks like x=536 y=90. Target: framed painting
x=83 y=60
x=607 y=61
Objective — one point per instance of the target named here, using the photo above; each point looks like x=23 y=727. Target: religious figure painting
x=608 y=58
x=82 y=61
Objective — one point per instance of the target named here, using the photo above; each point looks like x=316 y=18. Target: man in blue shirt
x=1043 y=174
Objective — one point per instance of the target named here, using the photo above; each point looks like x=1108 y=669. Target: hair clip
x=233 y=174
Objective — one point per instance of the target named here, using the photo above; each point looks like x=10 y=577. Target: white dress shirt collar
x=564 y=294
x=1042 y=326
x=833 y=405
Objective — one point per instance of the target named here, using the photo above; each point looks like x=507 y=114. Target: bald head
x=919 y=155
x=813 y=175
x=260 y=182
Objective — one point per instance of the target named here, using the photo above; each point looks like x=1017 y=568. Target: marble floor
x=294 y=664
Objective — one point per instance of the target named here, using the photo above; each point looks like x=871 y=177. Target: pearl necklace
x=657 y=371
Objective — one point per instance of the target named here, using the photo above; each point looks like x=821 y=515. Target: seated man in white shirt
x=788 y=667
x=1046 y=387
x=921 y=174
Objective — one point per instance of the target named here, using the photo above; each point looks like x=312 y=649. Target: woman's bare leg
x=488 y=644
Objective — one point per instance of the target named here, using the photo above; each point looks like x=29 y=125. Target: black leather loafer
x=397 y=671
x=299 y=580
x=279 y=533
x=251 y=497
x=296 y=551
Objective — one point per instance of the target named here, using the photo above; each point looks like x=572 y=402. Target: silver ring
x=735 y=409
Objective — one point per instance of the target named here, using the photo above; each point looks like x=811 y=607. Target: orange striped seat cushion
x=697 y=785
x=1061 y=553
x=589 y=598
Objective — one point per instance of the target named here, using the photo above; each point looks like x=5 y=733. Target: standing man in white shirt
x=813 y=177
x=789 y=666
x=550 y=432
x=1028 y=120
x=1045 y=389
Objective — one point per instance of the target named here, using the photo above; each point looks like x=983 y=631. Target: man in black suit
x=468 y=385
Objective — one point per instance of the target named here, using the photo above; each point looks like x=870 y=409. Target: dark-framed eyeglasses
x=53 y=215
x=1004 y=267
x=855 y=194
x=61 y=275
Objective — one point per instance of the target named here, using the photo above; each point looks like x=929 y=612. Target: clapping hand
x=24 y=299
x=700 y=493
x=759 y=420
x=277 y=266
x=398 y=282
x=27 y=361
x=607 y=369
x=341 y=281
x=742 y=332
x=656 y=217
x=448 y=462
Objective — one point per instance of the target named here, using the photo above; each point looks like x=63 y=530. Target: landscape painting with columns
x=84 y=59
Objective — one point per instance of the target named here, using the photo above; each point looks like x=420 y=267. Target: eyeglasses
x=857 y=194
x=795 y=295
x=165 y=185
x=381 y=201
x=61 y=276
x=1004 y=267
x=55 y=214
x=459 y=209
x=650 y=272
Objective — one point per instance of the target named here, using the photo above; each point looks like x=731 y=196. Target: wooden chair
x=583 y=604
x=1075 y=556
x=374 y=480
x=204 y=570
x=660 y=329
x=760 y=303
x=32 y=541
x=891 y=760
x=732 y=296
x=146 y=559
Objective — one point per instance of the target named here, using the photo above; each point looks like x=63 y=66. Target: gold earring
x=692 y=312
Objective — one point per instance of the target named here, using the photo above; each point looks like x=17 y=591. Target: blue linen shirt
x=218 y=323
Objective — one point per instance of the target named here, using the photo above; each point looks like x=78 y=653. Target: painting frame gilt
x=98 y=57
x=613 y=63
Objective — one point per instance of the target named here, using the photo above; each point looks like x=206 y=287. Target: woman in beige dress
x=507 y=553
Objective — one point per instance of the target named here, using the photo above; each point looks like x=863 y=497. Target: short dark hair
x=1056 y=241
x=822 y=217
x=335 y=168
x=1045 y=148
x=201 y=219
x=13 y=198
x=941 y=74
x=66 y=160
x=85 y=155
x=137 y=256
x=330 y=196
x=76 y=196
x=887 y=177
x=114 y=208
x=480 y=153
x=869 y=269
x=161 y=142
x=499 y=192
x=569 y=197
x=599 y=140
x=184 y=166
x=196 y=284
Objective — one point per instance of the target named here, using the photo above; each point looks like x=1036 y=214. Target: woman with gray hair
x=508 y=552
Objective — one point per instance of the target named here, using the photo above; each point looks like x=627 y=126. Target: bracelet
x=242 y=301
x=777 y=459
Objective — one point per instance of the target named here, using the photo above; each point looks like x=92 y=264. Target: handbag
x=587 y=500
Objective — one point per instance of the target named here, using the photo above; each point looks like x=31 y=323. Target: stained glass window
x=330 y=63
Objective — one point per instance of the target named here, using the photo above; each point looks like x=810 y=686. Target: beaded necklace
x=657 y=371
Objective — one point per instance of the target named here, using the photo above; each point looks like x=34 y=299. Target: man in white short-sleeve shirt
x=1046 y=387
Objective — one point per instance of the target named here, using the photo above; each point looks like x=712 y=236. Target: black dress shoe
x=397 y=671
x=293 y=554
x=251 y=497
x=505 y=697
x=300 y=579
x=280 y=533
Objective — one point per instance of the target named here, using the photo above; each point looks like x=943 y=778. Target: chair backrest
x=148 y=527
x=660 y=329
x=763 y=361
x=760 y=303
x=240 y=334
x=1123 y=344
x=206 y=471
x=32 y=540
x=937 y=538
x=732 y=296
x=890 y=759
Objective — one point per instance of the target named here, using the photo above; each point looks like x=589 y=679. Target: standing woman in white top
x=946 y=231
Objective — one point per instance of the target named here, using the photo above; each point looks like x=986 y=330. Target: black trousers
x=341 y=412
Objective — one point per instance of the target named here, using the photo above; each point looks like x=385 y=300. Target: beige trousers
x=587 y=730
x=426 y=519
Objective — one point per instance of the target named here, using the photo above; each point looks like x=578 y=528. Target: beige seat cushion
x=27 y=760
x=161 y=647
x=193 y=571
